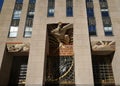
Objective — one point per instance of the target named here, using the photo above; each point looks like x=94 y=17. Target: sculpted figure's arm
x=56 y=31
x=60 y=33
x=68 y=26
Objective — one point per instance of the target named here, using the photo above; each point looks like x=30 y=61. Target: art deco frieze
x=103 y=45
x=18 y=47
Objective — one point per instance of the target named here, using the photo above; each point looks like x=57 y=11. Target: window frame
x=69 y=8
x=51 y=8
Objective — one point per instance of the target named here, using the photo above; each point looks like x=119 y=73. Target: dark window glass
x=15 y=22
x=51 y=6
x=19 y=1
x=89 y=4
x=105 y=13
x=31 y=7
x=91 y=21
x=18 y=6
x=1 y=4
x=29 y=22
x=92 y=29
x=103 y=5
x=69 y=8
x=32 y=1
x=30 y=15
x=102 y=0
x=108 y=33
x=90 y=17
x=90 y=12
x=89 y=0
x=106 y=21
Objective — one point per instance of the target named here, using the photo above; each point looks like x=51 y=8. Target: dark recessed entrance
x=18 y=71
x=102 y=70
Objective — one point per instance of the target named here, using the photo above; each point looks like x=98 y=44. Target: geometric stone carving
x=103 y=45
x=18 y=47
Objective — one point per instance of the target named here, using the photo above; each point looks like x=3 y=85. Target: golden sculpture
x=60 y=34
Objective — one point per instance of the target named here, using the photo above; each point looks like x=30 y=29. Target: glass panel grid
x=62 y=69
x=103 y=74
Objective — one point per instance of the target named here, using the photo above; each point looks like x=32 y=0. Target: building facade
x=60 y=43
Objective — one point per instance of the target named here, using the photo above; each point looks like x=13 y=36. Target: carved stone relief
x=18 y=47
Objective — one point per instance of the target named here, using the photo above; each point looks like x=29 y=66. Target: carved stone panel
x=18 y=47
x=102 y=47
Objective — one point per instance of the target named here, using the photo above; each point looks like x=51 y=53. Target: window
x=16 y=14
x=103 y=1
x=51 y=8
x=19 y=1
x=92 y=29
x=89 y=4
x=91 y=21
x=90 y=12
x=18 y=6
x=105 y=13
x=28 y=31
x=15 y=19
x=32 y=1
x=69 y=8
x=28 y=28
x=90 y=17
x=106 y=21
x=14 y=28
x=103 y=5
x=13 y=31
x=89 y=0
x=15 y=22
x=106 y=18
x=29 y=18
x=31 y=7
x=108 y=31
x=1 y=4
